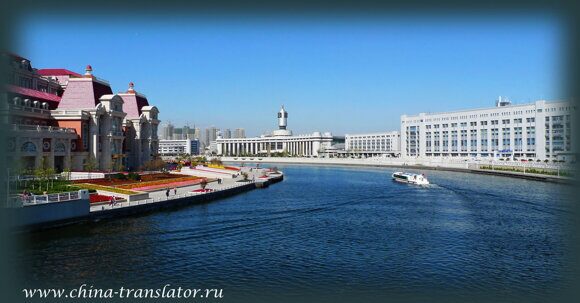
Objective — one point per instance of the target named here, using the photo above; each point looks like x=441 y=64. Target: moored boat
x=418 y=179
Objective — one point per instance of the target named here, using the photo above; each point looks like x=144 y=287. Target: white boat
x=410 y=178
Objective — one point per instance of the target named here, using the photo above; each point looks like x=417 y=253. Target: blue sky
x=344 y=75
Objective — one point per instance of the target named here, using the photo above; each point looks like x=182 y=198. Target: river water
x=326 y=230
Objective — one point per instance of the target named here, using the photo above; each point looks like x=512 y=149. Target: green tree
x=90 y=165
x=216 y=161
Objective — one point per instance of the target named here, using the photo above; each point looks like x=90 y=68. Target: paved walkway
x=160 y=195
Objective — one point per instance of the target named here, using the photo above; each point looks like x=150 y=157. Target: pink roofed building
x=68 y=121
x=141 y=126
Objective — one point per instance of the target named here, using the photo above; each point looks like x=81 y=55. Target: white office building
x=178 y=147
x=280 y=141
x=386 y=144
x=540 y=130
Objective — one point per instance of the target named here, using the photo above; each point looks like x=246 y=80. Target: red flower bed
x=180 y=183
x=200 y=190
x=232 y=168
x=95 y=198
x=144 y=178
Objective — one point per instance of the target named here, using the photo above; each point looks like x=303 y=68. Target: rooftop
x=57 y=72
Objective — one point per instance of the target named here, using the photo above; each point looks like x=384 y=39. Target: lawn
x=48 y=187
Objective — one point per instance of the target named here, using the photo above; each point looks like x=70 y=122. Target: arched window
x=59 y=147
x=28 y=147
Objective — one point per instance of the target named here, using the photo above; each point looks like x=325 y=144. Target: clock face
x=46 y=145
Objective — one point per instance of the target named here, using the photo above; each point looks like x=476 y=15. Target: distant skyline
x=343 y=75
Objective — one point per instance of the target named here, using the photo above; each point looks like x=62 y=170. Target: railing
x=30 y=109
x=180 y=196
x=67 y=112
x=40 y=128
x=49 y=198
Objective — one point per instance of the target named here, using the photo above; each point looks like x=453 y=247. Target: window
x=25 y=82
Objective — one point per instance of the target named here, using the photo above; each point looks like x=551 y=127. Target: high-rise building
x=196 y=133
x=186 y=132
x=226 y=133
x=240 y=133
x=177 y=134
x=210 y=135
x=167 y=132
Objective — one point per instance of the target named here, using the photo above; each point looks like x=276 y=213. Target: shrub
x=134 y=176
x=120 y=176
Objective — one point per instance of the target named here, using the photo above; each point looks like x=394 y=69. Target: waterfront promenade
x=184 y=192
x=431 y=164
x=49 y=213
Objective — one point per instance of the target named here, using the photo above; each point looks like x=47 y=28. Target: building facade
x=540 y=130
x=374 y=144
x=178 y=147
x=279 y=141
x=76 y=122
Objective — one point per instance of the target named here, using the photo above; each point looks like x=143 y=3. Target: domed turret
x=282 y=118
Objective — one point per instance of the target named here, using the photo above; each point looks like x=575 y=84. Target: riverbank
x=158 y=200
x=454 y=165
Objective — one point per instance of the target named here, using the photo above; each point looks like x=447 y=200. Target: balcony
x=30 y=109
x=39 y=128
x=68 y=112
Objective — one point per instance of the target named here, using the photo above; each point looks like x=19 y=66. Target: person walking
x=112 y=201
x=167 y=193
x=175 y=191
